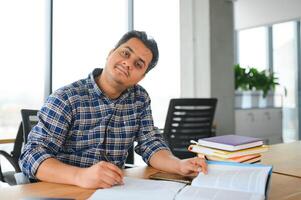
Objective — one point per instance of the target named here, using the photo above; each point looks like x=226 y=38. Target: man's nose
x=127 y=64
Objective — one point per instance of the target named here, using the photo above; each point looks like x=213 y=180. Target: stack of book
x=232 y=148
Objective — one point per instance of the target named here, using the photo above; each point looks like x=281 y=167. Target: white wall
x=187 y=48
x=207 y=57
x=253 y=13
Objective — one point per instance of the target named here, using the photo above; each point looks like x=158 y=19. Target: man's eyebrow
x=131 y=50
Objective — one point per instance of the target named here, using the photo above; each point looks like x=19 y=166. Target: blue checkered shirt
x=78 y=124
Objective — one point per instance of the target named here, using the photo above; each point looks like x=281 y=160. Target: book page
x=145 y=189
x=247 y=178
x=197 y=193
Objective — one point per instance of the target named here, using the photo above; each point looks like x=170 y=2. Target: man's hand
x=192 y=166
x=165 y=161
x=100 y=175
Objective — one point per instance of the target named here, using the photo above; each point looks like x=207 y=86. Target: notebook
x=227 y=181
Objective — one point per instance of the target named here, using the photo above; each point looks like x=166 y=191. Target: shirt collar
x=96 y=90
x=93 y=76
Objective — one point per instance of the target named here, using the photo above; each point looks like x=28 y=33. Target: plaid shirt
x=78 y=124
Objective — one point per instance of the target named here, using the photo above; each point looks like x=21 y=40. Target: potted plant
x=241 y=84
x=241 y=78
x=268 y=89
x=257 y=82
x=255 y=79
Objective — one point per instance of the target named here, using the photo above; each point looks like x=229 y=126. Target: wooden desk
x=282 y=187
x=285 y=158
x=6 y=141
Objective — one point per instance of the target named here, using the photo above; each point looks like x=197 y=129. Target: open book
x=224 y=181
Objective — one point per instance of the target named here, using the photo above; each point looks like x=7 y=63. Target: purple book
x=230 y=142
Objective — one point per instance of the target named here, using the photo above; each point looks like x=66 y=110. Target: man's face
x=127 y=64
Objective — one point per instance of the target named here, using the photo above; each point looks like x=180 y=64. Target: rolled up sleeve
x=47 y=137
x=149 y=139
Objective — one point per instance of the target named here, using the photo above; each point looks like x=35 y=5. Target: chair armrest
x=1 y=175
x=11 y=160
x=21 y=178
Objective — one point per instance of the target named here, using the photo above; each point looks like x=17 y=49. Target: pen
x=104 y=155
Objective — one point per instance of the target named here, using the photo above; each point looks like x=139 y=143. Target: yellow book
x=226 y=154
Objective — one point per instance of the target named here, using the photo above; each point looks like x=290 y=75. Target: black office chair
x=188 y=119
x=29 y=119
x=13 y=157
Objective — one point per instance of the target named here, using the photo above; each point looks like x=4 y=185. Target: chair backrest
x=188 y=119
x=29 y=119
x=16 y=152
x=130 y=158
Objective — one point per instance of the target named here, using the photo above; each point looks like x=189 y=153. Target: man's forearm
x=165 y=161
x=53 y=170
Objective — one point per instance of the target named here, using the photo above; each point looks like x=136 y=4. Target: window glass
x=162 y=82
x=253 y=49
x=23 y=60
x=285 y=68
x=84 y=32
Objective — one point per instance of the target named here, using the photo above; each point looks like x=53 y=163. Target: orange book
x=236 y=159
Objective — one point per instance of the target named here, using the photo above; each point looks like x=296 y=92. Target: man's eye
x=125 y=53
x=139 y=64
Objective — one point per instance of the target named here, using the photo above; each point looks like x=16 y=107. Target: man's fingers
x=114 y=168
x=113 y=177
x=104 y=185
x=193 y=174
x=114 y=173
x=199 y=165
x=202 y=162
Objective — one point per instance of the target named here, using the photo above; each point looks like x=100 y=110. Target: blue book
x=250 y=178
x=230 y=142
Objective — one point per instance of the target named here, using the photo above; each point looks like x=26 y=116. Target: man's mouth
x=122 y=70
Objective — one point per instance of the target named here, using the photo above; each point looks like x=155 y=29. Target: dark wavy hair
x=150 y=43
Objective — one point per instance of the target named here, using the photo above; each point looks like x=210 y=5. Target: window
x=84 y=32
x=253 y=48
x=163 y=82
x=285 y=68
x=23 y=60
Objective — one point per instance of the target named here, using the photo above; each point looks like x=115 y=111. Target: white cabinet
x=265 y=123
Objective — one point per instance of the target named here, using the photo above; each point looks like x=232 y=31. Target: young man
x=86 y=128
